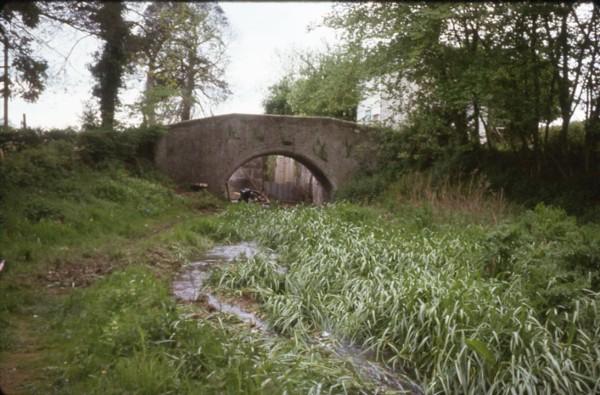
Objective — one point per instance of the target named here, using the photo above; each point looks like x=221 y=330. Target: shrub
x=99 y=147
x=556 y=258
x=40 y=165
x=363 y=188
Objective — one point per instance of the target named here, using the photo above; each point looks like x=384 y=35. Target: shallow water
x=362 y=361
x=188 y=286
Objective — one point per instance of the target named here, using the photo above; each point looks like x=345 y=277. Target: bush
x=363 y=188
x=556 y=258
x=556 y=176
x=130 y=146
x=16 y=140
x=40 y=165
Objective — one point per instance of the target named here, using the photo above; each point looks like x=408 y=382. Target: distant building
x=378 y=108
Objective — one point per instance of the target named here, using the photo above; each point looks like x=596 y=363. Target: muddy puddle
x=189 y=286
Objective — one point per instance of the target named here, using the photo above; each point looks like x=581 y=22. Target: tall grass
x=470 y=195
x=424 y=299
x=447 y=198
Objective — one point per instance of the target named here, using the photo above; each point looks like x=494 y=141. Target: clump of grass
x=424 y=300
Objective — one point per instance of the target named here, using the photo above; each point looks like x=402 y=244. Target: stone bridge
x=209 y=150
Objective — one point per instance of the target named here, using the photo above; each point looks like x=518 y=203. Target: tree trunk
x=109 y=68
x=592 y=135
x=6 y=91
x=475 y=131
x=563 y=86
x=461 y=127
x=535 y=122
x=188 y=90
x=149 y=109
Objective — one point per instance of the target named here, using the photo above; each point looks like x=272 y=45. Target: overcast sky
x=262 y=35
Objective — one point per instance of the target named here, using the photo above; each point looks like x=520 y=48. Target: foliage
x=110 y=64
x=364 y=188
x=276 y=101
x=26 y=73
x=325 y=84
x=16 y=140
x=561 y=180
x=182 y=51
x=427 y=299
x=554 y=256
x=130 y=146
x=511 y=67
x=62 y=149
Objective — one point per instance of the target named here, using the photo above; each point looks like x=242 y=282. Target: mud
x=78 y=273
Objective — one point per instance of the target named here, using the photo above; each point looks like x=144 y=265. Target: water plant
x=423 y=298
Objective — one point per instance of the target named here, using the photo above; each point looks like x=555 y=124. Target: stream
x=188 y=286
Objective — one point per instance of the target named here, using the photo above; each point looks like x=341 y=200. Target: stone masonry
x=209 y=150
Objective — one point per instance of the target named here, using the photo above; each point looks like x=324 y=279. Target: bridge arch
x=321 y=177
x=210 y=149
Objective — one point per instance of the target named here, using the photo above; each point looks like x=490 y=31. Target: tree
x=183 y=54
x=525 y=63
x=24 y=73
x=111 y=62
x=277 y=100
x=324 y=84
x=574 y=52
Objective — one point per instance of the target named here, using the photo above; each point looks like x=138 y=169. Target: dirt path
x=21 y=366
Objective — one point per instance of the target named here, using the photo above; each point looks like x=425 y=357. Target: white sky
x=262 y=35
